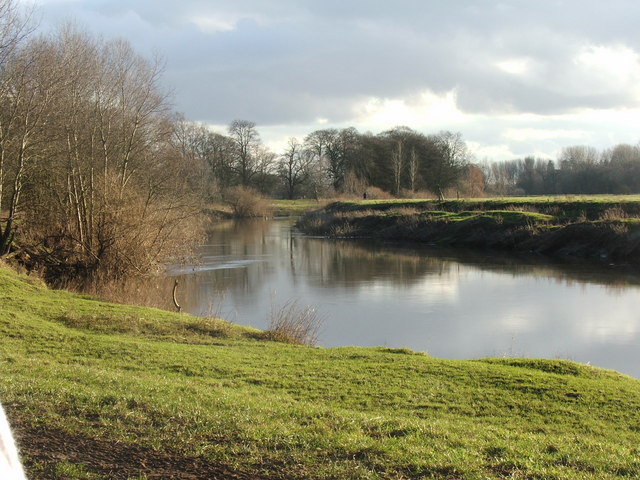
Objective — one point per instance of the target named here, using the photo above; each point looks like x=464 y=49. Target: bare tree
x=294 y=167
x=265 y=176
x=15 y=26
x=206 y=149
x=577 y=156
x=414 y=169
x=325 y=147
x=397 y=163
x=31 y=80
x=336 y=150
x=221 y=160
x=452 y=157
x=95 y=176
x=471 y=183
x=246 y=140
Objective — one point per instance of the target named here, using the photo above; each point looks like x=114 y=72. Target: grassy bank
x=104 y=391
x=601 y=227
x=276 y=208
x=295 y=208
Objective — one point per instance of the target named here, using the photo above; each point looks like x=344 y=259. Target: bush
x=613 y=214
x=247 y=202
x=418 y=194
x=375 y=193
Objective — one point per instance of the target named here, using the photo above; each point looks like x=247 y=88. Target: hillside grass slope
x=104 y=391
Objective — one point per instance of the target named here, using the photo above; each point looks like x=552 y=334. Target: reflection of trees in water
x=569 y=272
x=245 y=256
x=267 y=246
x=237 y=252
x=346 y=264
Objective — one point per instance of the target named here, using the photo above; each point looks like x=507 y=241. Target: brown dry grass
x=292 y=323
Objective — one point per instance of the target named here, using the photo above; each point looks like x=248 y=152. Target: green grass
x=294 y=208
x=564 y=206
x=205 y=390
x=526 y=199
x=508 y=216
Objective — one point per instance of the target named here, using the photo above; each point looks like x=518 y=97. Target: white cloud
x=617 y=61
x=491 y=152
x=211 y=24
x=608 y=69
x=424 y=109
x=514 y=66
x=514 y=81
x=523 y=134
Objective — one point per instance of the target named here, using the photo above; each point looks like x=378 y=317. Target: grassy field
x=276 y=208
x=603 y=227
x=105 y=391
x=295 y=208
x=564 y=206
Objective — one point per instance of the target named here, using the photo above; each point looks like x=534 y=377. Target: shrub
x=418 y=194
x=613 y=214
x=247 y=202
x=375 y=193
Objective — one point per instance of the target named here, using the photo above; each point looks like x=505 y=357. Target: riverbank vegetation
x=97 y=390
x=599 y=227
x=91 y=177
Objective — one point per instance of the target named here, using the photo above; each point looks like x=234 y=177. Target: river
x=449 y=304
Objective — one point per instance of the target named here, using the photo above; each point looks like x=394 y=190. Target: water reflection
x=450 y=305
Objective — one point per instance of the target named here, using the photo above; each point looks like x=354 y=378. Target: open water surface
x=448 y=304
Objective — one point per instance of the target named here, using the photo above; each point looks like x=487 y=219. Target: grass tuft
x=292 y=323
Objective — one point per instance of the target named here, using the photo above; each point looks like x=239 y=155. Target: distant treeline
x=578 y=170
x=331 y=161
x=398 y=162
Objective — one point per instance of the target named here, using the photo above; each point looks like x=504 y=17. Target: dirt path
x=111 y=460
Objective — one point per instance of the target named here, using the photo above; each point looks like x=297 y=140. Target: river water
x=449 y=304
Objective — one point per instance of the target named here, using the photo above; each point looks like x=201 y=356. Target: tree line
x=326 y=162
x=398 y=162
x=579 y=169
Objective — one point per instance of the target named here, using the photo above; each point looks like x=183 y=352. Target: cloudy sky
x=514 y=77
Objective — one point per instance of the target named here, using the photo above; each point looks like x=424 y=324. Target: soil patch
x=43 y=448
